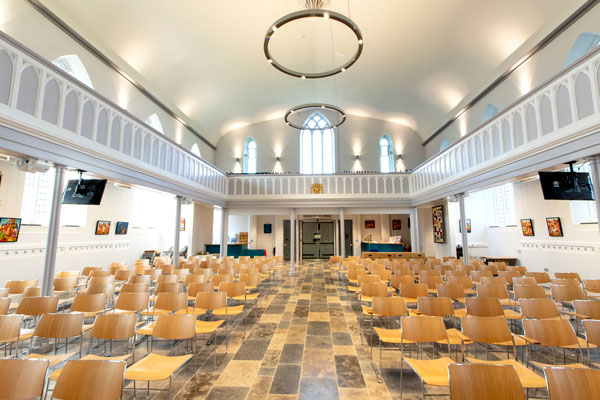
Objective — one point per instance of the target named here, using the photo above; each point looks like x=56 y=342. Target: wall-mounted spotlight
x=237 y=160
x=399 y=156
x=357 y=157
x=277 y=159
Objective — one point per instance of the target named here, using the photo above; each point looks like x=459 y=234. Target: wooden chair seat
x=146 y=329
x=528 y=378
x=24 y=334
x=460 y=312
x=512 y=314
x=223 y=312
x=393 y=336
x=54 y=375
x=54 y=359
x=431 y=372
x=409 y=300
x=455 y=338
x=192 y=310
x=542 y=365
x=353 y=289
x=118 y=311
x=86 y=327
x=247 y=297
x=507 y=302
x=156 y=311
x=156 y=367
x=203 y=327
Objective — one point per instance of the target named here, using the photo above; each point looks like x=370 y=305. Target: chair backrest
x=4 y=292
x=114 y=326
x=89 y=302
x=67 y=274
x=88 y=270
x=540 y=277
x=592 y=285
x=389 y=306
x=371 y=289
x=484 y=381
x=101 y=280
x=251 y=280
x=198 y=287
x=463 y=280
x=525 y=280
x=34 y=306
x=423 y=329
x=64 y=284
x=98 y=273
x=451 y=290
x=484 y=306
x=123 y=275
x=175 y=326
x=10 y=326
x=170 y=287
x=167 y=279
x=568 y=275
x=589 y=308
x=181 y=273
x=430 y=280
x=195 y=278
x=368 y=279
x=147 y=279
x=508 y=276
x=90 y=379
x=497 y=290
x=233 y=289
x=518 y=269
x=171 y=301
x=59 y=325
x=114 y=267
x=550 y=332
x=4 y=305
x=108 y=289
x=486 y=329
x=567 y=292
x=398 y=279
x=167 y=269
x=134 y=288
x=22 y=379
x=477 y=275
x=139 y=269
x=566 y=281
x=413 y=290
x=17 y=287
x=435 y=306
x=456 y=273
x=224 y=278
x=133 y=302
x=210 y=300
x=529 y=292
x=153 y=273
x=566 y=383
x=538 y=308
x=32 y=291
x=384 y=274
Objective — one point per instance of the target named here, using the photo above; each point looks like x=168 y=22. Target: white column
x=53 y=230
x=177 y=231
x=298 y=248
x=595 y=173
x=342 y=234
x=414 y=230
x=224 y=231
x=463 y=227
x=292 y=237
x=336 y=240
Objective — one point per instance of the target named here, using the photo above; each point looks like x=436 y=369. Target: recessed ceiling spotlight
x=343 y=69
x=303 y=77
x=326 y=15
x=270 y=61
x=360 y=41
x=274 y=28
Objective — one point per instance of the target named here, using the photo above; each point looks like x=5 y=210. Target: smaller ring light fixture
x=313 y=13
x=295 y=117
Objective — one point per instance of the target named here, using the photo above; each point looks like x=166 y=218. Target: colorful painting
x=121 y=228
x=182 y=224
x=102 y=227
x=369 y=224
x=267 y=228
x=396 y=224
x=527 y=227
x=554 y=226
x=438 y=224
x=468 y=226
x=9 y=229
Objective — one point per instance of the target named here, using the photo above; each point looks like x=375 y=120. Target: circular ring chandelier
x=312 y=13
x=315 y=106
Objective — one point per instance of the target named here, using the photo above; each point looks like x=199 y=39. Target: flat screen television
x=566 y=185
x=84 y=191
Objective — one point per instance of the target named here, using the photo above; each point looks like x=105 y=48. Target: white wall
x=22 y=22
x=357 y=135
x=151 y=217
x=237 y=224
x=266 y=241
x=532 y=73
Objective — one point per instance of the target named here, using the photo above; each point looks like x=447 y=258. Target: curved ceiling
x=422 y=59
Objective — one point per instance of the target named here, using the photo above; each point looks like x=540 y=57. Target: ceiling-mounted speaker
x=33 y=165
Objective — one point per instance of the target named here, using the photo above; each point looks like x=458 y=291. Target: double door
x=317 y=240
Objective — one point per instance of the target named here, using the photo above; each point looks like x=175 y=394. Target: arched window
x=73 y=66
x=250 y=156
x=584 y=43
x=317 y=155
x=490 y=111
x=195 y=150
x=154 y=122
x=386 y=154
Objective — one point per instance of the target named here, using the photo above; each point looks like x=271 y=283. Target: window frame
x=390 y=154
x=325 y=135
x=246 y=164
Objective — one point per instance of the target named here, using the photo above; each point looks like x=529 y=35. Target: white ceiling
x=422 y=59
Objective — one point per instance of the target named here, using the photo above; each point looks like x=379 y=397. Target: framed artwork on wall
x=468 y=226
x=9 y=229
x=527 y=227
x=102 y=227
x=182 y=224
x=369 y=224
x=554 y=226
x=267 y=228
x=438 y=224
x=396 y=224
x=121 y=228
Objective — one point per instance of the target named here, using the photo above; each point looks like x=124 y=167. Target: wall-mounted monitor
x=84 y=191
x=566 y=185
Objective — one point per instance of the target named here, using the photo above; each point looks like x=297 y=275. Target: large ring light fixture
x=315 y=106
x=312 y=13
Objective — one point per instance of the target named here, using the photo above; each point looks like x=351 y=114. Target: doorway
x=348 y=243
x=317 y=239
